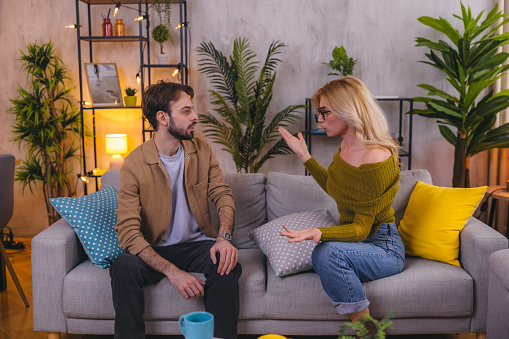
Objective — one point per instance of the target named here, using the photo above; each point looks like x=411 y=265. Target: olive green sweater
x=364 y=196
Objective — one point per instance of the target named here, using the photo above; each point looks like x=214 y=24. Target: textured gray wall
x=380 y=34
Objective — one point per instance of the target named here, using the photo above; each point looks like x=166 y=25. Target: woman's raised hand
x=297 y=236
x=298 y=145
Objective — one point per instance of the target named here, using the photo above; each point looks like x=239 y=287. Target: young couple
x=165 y=228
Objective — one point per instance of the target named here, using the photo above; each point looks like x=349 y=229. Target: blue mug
x=197 y=325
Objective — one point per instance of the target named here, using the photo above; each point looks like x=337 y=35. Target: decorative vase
x=162 y=59
x=130 y=101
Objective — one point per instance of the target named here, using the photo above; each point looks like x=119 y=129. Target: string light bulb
x=84 y=179
x=181 y=25
x=117 y=6
x=71 y=26
x=138 y=79
x=140 y=18
x=175 y=72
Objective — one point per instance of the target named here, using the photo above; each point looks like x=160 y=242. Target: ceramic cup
x=197 y=325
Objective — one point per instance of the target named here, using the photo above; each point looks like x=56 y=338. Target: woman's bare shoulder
x=376 y=155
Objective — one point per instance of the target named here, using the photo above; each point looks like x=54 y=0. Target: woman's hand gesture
x=297 y=236
x=298 y=145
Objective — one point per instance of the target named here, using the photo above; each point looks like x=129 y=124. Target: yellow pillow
x=434 y=218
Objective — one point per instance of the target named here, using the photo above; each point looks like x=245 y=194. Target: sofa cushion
x=110 y=178
x=287 y=194
x=285 y=257
x=407 y=183
x=87 y=292
x=434 y=219
x=249 y=195
x=93 y=219
x=425 y=288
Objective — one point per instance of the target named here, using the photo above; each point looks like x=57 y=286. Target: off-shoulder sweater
x=363 y=194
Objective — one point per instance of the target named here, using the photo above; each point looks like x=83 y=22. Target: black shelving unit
x=143 y=40
x=405 y=152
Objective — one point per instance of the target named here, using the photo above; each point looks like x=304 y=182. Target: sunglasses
x=323 y=112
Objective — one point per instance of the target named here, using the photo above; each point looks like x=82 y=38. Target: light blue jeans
x=343 y=266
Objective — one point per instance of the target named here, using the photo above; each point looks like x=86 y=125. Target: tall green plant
x=242 y=99
x=46 y=124
x=471 y=64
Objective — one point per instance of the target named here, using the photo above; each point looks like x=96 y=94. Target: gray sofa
x=72 y=295
x=498 y=296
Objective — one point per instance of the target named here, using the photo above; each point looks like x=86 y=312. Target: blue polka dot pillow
x=284 y=257
x=93 y=219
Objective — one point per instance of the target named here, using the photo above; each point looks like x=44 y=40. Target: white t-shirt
x=183 y=226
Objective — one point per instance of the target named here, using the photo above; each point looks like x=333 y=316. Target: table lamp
x=116 y=144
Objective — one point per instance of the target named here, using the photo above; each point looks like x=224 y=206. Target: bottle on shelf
x=107 y=27
x=119 y=28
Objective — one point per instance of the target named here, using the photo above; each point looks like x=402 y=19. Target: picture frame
x=103 y=84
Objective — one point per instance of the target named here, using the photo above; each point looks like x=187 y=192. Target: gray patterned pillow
x=284 y=257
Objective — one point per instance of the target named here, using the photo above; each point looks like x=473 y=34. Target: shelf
x=124 y=2
x=163 y=66
x=110 y=107
x=112 y=38
x=96 y=173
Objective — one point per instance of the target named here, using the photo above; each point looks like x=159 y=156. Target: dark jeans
x=129 y=274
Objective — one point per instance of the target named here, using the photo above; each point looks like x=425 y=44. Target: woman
x=363 y=179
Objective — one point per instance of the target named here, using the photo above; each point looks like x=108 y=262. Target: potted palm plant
x=242 y=99
x=46 y=125
x=130 y=98
x=471 y=63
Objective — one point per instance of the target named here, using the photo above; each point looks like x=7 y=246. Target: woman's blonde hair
x=353 y=103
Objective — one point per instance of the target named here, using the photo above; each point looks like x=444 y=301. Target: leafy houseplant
x=163 y=10
x=471 y=65
x=46 y=124
x=367 y=327
x=341 y=62
x=242 y=99
x=160 y=34
x=130 y=99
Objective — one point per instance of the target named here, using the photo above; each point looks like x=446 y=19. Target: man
x=164 y=222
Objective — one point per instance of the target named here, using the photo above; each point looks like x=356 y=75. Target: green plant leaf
x=448 y=134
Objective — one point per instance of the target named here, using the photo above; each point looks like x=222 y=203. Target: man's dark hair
x=157 y=97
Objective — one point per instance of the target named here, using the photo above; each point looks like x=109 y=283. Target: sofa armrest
x=55 y=252
x=498 y=295
x=477 y=242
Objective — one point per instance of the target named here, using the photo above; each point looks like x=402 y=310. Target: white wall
x=380 y=34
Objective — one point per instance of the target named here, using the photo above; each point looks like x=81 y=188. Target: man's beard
x=180 y=133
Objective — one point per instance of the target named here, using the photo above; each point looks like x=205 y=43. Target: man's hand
x=228 y=255
x=187 y=284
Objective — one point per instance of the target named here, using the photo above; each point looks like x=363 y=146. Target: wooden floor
x=16 y=319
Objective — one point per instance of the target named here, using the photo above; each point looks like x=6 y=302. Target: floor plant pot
x=130 y=101
x=162 y=59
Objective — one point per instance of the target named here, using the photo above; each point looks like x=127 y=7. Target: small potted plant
x=341 y=62
x=161 y=34
x=130 y=99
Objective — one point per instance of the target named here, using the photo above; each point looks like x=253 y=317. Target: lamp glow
x=116 y=144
